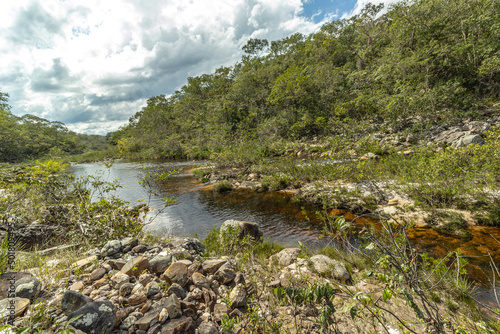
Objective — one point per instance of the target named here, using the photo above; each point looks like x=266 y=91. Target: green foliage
x=222 y=186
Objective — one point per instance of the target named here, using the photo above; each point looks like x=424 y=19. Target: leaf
x=353 y=311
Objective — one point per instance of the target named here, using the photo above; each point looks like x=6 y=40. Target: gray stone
x=160 y=262
x=152 y=288
x=469 y=140
x=96 y=317
x=129 y=242
x=220 y=311
x=145 y=322
x=183 y=325
x=287 y=256
x=126 y=289
x=11 y=280
x=207 y=328
x=73 y=300
x=111 y=248
x=28 y=287
x=238 y=296
x=119 y=279
x=139 y=249
x=176 y=289
x=194 y=245
x=225 y=274
x=323 y=264
x=128 y=322
x=173 y=306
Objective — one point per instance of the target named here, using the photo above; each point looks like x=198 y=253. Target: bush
x=222 y=186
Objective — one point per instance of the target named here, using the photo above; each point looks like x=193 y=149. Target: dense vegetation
x=31 y=137
x=426 y=59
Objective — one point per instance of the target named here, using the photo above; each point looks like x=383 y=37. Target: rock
x=160 y=262
x=116 y=264
x=152 y=288
x=163 y=316
x=183 y=325
x=129 y=242
x=136 y=299
x=100 y=283
x=84 y=263
x=176 y=273
x=238 y=296
x=155 y=329
x=135 y=266
x=20 y=305
x=220 y=311
x=287 y=256
x=393 y=201
x=200 y=280
x=9 y=281
x=469 y=140
x=173 y=306
x=97 y=274
x=369 y=156
x=211 y=266
x=139 y=249
x=77 y=286
x=126 y=289
x=30 y=236
x=28 y=287
x=225 y=274
x=478 y=127
x=96 y=317
x=144 y=279
x=207 y=328
x=145 y=322
x=73 y=300
x=249 y=229
x=119 y=279
x=128 y=322
x=111 y=248
x=323 y=264
x=176 y=289
x=194 y=245
x=450 y=136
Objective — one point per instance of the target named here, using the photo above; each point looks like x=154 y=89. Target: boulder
x=96 y=317
x=469 y=140
x=28 y=287
x=31 y=236
x=225 y=274
x=287 y=256
x=97 y=274
x=176 y=289
x=249 y=229
x=200 y=281
x=9 y=281
x=73 y=300
x=323 y=264
x=238 y=296
x=145 y=322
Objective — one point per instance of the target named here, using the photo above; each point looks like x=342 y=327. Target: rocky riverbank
x=174 y=285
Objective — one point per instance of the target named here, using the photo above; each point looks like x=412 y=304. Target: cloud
x=92 y=64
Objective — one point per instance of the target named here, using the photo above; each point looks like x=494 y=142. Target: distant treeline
x=430 y=58
x=32 y=137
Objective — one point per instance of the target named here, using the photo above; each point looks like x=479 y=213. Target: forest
x=429 y=61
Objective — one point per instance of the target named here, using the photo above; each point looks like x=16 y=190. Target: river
x=282 y=220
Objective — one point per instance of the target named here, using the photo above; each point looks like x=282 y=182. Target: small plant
x=222 y=186
x=229 y=324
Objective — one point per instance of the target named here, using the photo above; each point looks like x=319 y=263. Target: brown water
x=281 y=218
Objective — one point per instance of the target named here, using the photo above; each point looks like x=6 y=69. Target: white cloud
x=92 y=64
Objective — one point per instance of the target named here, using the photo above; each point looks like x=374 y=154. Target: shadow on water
x=282 y=219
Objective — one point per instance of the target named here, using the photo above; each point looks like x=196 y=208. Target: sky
x=92 y=64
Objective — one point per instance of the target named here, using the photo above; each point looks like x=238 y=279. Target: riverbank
x=231 y=284
x=441 y=183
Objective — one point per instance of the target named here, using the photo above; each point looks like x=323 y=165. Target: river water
x=281 y=218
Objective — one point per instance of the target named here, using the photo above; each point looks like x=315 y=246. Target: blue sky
x=91 y=64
